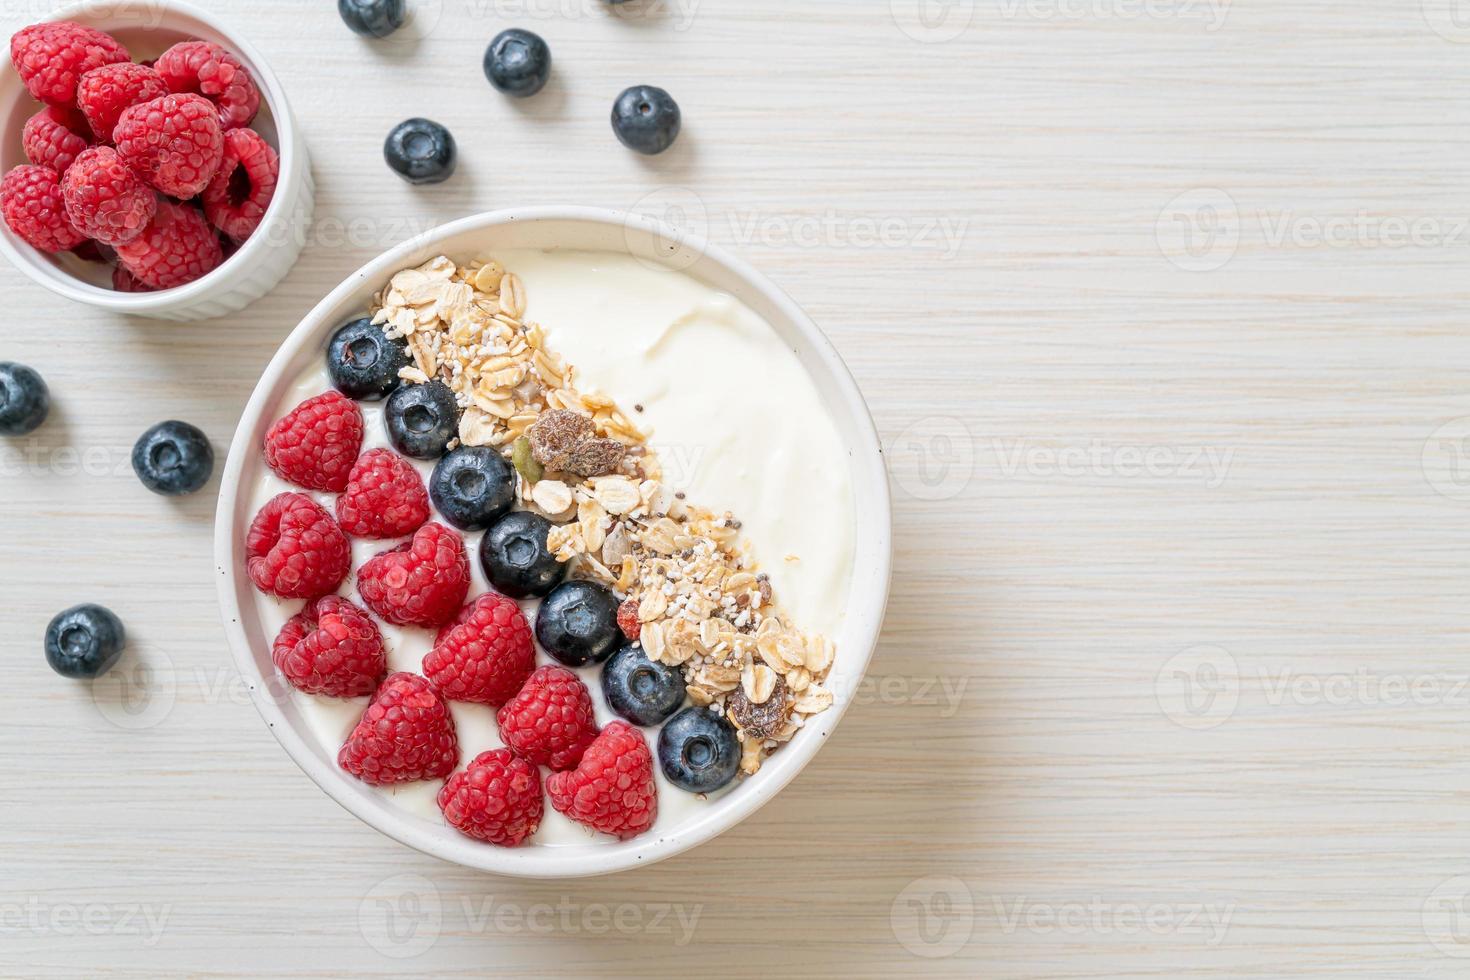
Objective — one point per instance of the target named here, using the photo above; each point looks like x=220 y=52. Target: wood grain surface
x=1160 y=306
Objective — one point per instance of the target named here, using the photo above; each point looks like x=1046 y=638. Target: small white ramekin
x=146 y=28
x=546 y=228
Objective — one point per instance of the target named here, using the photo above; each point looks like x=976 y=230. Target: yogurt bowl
x=774 y=356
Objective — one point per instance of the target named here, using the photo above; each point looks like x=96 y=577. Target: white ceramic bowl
x=147 y=28
x=572 y=228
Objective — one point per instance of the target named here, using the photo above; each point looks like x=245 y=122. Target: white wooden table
x=1161 y=308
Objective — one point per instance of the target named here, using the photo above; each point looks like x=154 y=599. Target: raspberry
x=176 y=248
x=422 y=583
x=485 y=655
x=55 y=136
x=496 y=799
x=295 y=550
x=612 y=790
x=123 y=282
x=103 y=93
x=385 y=497
x=331 y=648
x=236 y=200
x=30 y=198
x=105 y=200
x=50 y=58
x=174 y=142
x=550 y=721
x=406 y=734
x=211 y=71
x=628 y=620
x=316 y=444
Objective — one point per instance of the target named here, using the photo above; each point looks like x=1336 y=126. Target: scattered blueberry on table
x=514 y=556
x=640 y=690
x=24 y=400
x=578 y=624
x=698 y=750
x=646 y=119
x=364 y=363
x=518 y=63
x=421 y=151
x=372 y=18
x=473 y=487
x=173 y=458
x=422 y=419
x=84 y=641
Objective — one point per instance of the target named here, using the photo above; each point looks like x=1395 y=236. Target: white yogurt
x=737 y=425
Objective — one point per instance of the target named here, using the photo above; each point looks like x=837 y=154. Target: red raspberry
x=176 y=248
x=105 y=200
x=550 y=721
x=628 y=620
x=316 y=443
x=613 y=789
x=485 y=655
x=422 y=583
x=406 y=734
x=211 y=71
x=295 y=550
x=385 y=497
x=331 y=648
x=123 y=282
x=174 y=142
x=236 y=200
x=55 y=136
x=497 y=799
x=50 y=58
x=30 y=198
x=103 y=94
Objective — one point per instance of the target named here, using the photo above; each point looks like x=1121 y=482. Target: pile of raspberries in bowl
x=152 y=166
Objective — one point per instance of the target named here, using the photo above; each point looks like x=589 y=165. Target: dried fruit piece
x=525 y=461
x=595 y=457
x=762 y=720
x=555 y=434
x=628 y=620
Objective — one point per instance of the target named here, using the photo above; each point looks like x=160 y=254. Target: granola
x=701 y=601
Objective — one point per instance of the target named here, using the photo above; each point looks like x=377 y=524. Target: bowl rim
x=554 y=862
x=64 y=284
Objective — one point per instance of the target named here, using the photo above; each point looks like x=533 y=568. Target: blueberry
x=698 y=750
x=363 y=362
x=578 y=623
x=372 y=18
x=84 y=641
x=473 y=487
x=517 y=63
x=173 y=458
x=640 y=690
x=646 y=119
x=421 y=151
x=24 y=400
x=514 y=556
x=422 y=419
